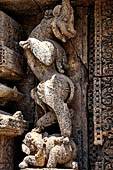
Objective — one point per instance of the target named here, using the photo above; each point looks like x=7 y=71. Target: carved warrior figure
x=51 y=150
x=47 y=59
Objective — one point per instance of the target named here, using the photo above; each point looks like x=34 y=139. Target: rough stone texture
x=12 y=125
x=101 y=64
x=77 y=72
x=10 y=32
x=8 y=94
x=6 y=153
x=93 y=21
x=54 y=86
x=29 y=7
x=63 y=22
x=10 y=64
x=53 y=150
x=10 y=59
x=47 y=59
x=103 y=67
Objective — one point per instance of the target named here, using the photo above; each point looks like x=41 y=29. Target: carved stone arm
x=44 y=51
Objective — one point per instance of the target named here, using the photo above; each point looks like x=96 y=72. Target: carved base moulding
x=44 y=169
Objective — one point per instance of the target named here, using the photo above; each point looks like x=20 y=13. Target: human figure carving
x=48 y=149
x=47 y=59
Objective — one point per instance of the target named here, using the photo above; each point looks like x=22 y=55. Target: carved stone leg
x=37 y=100
x=31 y=160
x=62 y=112
x=63 y=116
x=46 y=120
x=28 y=160
x=52 y=161
x=53 y=92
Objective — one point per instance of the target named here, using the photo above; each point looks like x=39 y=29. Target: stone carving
x=10 y=126
x=47 y=59
x=103 y=70
x=63 y=22
x=103 y=84
x=54 y=87
x=47 y=149
x=10 y=59
x=9 y=94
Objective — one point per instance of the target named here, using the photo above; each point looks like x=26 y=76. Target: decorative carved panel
x=103 y=66
x=103 y=84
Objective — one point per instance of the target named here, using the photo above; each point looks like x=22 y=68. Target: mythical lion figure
x=47 y=59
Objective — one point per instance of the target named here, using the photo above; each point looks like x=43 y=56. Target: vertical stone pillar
x=103 y=83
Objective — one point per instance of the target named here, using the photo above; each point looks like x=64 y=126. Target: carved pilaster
x=103 y=61
x=103 y=83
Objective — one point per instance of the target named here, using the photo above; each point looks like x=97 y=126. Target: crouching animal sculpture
x=47 y=60
x=51 y=150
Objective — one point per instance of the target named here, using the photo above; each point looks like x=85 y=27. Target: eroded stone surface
x=10 y=32
x=8 y=94
x=47 y=59
x=12 y=125
x=10 y=64
x=47 y=149
x=10 y=59
x=29 y=7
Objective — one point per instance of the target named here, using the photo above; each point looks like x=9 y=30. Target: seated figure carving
x=48 y=149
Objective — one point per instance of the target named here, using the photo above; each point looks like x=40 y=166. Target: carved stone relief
x=70 y=46
x=103 y=82
x=14 y=125
x=47 y=59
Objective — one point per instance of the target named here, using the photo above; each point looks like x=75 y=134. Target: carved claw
x=24 y=44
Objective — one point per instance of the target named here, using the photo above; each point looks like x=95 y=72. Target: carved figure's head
x=32 y=143
x=63 y=23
